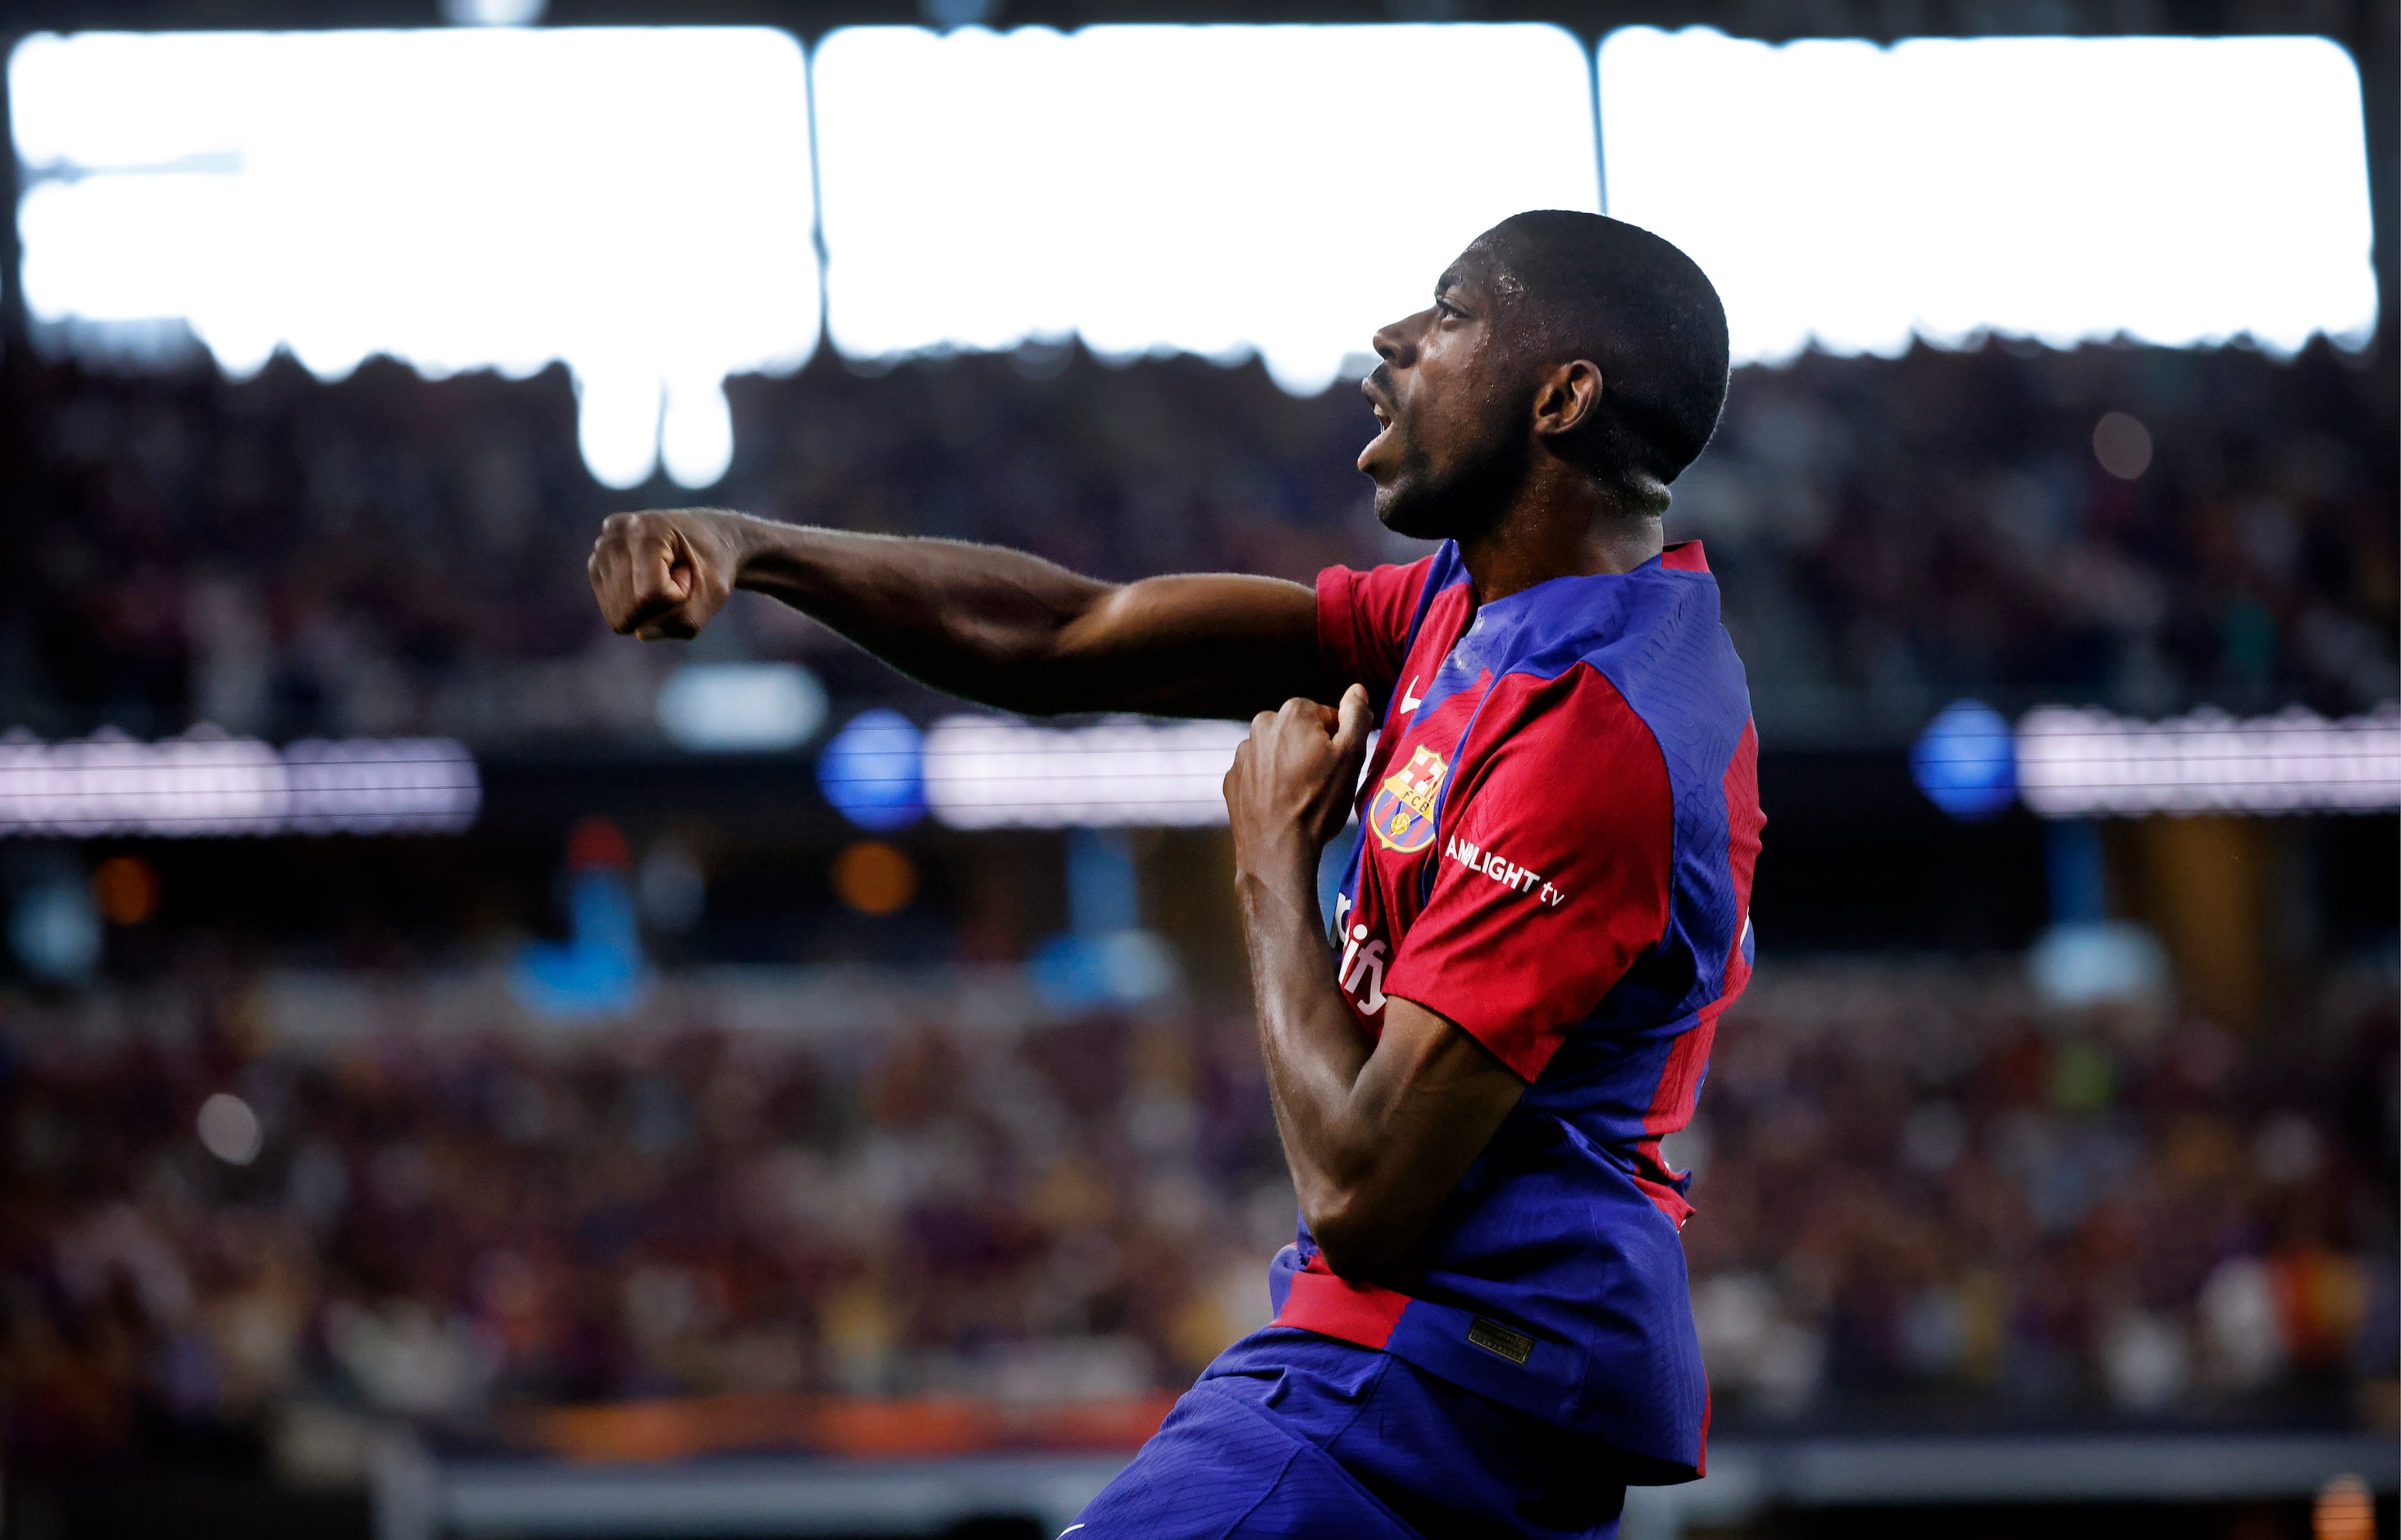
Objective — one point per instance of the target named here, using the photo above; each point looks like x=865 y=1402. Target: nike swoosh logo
x=1410 y=699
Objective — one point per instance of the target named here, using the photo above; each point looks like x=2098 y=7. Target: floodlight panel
x=635 y=202
x=2087 y=762
x=1221 y=190
x=2175 y=190
x=206 y=783
x=984 y=772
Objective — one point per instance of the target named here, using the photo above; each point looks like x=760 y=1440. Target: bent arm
x=1378 y=1133
x=1376 y=1136
x=991 y=624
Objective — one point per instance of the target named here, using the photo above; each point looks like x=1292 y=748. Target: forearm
x=1314 y=1051
x=976 y=621
x=1379 y=1136
x=1015 y=631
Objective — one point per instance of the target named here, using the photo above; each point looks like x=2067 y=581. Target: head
x=1567 y=340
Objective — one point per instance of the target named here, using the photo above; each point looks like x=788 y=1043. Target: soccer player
x=1484 y=1326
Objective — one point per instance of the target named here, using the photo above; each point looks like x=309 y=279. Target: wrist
x=1275 y=865
x=745 y=542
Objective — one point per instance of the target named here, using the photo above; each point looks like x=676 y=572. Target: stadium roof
x=2354 y=21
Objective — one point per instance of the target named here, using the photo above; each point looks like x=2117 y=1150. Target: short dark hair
x=1643 y=312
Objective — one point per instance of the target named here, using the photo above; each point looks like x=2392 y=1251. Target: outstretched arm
x=993 y=626
x=1376 y=1134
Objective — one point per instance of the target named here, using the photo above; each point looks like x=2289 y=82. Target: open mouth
x=1383 y=430
x=1375 y=388
x=1383 y=427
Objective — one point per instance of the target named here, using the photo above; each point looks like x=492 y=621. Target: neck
x=1562 y=523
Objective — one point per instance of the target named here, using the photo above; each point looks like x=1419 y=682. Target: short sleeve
x=1552 y=872
x=1362 y=623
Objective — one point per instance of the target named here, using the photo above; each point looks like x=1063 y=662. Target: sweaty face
x=1451 y=406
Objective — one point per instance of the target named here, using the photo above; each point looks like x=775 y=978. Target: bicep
x=1204 y=645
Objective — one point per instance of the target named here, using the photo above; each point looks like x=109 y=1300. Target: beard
x=1461 y=492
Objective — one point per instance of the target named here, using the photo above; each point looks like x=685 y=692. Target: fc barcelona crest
x=1402 y=815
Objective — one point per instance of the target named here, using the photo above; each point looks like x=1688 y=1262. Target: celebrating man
x=1484 y=1326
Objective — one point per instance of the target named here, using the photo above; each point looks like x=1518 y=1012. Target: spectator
x=1917 y=1190
x=391 y=554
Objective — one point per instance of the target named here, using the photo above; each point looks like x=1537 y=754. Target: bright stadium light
x=205 y=783
x=737 y=708
x=993 y=772
x=1222 y=190
x=2075 y=762
x=637 y=202
x=2178 y=191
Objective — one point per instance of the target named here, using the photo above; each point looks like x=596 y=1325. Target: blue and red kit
x=1557 y=830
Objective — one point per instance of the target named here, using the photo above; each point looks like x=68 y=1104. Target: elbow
x=1354 y=1235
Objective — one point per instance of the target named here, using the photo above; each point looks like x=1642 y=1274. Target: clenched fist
x=1292 y=782
x=666 y=573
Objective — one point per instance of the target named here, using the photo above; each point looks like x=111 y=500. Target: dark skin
x=1476 y=420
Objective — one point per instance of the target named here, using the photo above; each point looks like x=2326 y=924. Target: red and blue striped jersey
x=1557 y=830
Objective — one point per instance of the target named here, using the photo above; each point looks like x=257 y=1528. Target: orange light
x=125 y=889
x=874 y=878
x=2345 y=1510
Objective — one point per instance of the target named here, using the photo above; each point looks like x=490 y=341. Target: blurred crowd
x=2146 y=528
x=1921 y=1195
x=2143 y=528
x=1923 y=1192
x=430 y=1225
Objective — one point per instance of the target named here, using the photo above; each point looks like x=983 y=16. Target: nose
x=1397 y=343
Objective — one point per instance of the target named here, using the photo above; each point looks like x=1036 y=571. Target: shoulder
x=1367 y=618
x=1386 y=598
x=1562 y=704
x=1572 y=740
x=1675 y=667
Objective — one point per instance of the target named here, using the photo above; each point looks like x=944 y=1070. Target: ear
x=1566 y=397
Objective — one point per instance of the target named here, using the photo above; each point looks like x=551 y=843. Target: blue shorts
x=1293 y=1433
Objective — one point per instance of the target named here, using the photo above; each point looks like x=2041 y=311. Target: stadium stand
x=1926 y=1201
x=392 y=556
